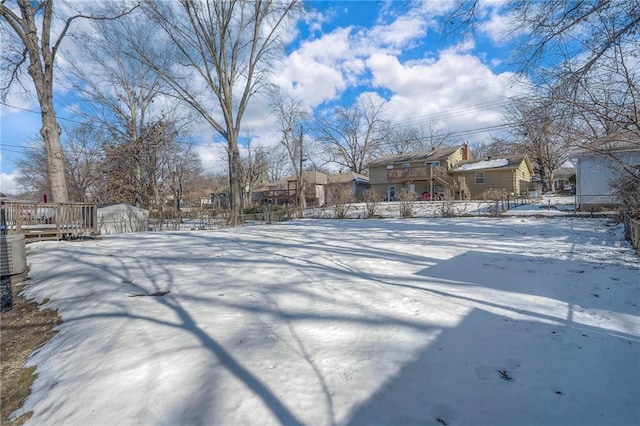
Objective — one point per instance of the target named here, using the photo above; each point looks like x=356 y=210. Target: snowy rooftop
x=486 y=164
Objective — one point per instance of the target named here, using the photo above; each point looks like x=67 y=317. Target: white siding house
x=595 y=172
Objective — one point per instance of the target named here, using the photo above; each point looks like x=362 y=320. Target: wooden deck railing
x=437 y=175
x=40 y=221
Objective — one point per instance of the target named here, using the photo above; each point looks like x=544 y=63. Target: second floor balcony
x=410 y=174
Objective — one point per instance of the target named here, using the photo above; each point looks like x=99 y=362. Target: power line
x=455 y=112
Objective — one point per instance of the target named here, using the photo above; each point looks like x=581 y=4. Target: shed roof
x=119 y=207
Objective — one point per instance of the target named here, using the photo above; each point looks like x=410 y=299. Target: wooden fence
x=40 y=221
x=632 y=231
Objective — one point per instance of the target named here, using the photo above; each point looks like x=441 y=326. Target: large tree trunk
x=235 y=174
x=50 y=133
x=41 y=59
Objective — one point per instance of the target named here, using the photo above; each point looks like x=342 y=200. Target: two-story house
x=423 y=173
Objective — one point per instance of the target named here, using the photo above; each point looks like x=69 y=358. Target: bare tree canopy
x=33 y=41
x=222 y=51
x=352 y=135
x=83 y=158
x=577 y=33
x=585 y=52
x=291 y=117
x=540 y=128
x=401 y=139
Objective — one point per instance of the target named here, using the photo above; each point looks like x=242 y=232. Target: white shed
x=595 y=171
x=121 y=218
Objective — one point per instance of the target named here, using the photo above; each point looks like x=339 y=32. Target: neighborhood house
x=596 y=170
x=485 y=177
x=422 y=172
x=449 y=173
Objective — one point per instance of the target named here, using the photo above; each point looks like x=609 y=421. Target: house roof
x=347 y=177
x=625 y=141
x=505 y=162
x=431 y=154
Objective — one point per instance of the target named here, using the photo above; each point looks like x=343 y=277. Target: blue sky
x=393 y=51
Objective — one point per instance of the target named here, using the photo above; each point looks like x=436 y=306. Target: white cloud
x=320 y=69
x=456 y=90
x=500 y=27
x=213 y=156
x=8 y=182
x=399 y=34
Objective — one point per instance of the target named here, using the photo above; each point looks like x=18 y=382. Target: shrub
x=342 y=198
x=372 y=201
x=407 y=203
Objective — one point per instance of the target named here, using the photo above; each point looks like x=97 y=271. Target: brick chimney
x=465 y=151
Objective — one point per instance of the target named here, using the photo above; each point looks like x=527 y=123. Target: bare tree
x=402 y=139
x=566 y=30
x=607 y=102
x=32 y=170
x=353 y=134
x=82 y=162
x=254 y=169
x=495 y=147
x=149 y=157
x=38 y=46
x=278 y=163
x=291 y=116
x=224 y=46
x=539 y=128
x=184 y=168
x=588 y=52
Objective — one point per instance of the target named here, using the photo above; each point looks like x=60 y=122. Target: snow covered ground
x=468 y=321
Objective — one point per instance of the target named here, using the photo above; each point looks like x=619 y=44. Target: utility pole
x=302 y=202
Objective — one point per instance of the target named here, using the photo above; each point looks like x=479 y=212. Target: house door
x=392 y=193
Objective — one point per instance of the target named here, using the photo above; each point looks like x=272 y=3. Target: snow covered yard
x=468 y=321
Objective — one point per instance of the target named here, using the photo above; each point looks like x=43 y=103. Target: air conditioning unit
x=13 y=259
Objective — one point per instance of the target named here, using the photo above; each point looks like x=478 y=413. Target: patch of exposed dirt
x=22 y=330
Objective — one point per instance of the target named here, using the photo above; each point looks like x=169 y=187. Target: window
x=479 y=178
x=406 y=166
x=412 y=188
x=435 y=164
x=390 y=167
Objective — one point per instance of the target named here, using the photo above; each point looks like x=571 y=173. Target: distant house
x=563 y=179
x=285 y=190
x=351 y=183
x=508 y=174
x=122 y=218
x=596 y=170
x=423 y=173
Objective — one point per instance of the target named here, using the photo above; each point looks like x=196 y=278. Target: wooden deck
x=40 y=221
